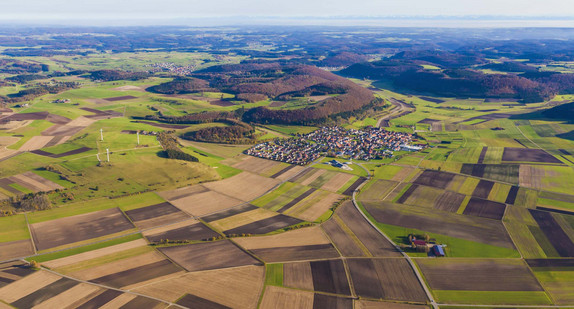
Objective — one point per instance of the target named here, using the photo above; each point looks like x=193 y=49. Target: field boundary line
x=30 y=233
x=110 y=288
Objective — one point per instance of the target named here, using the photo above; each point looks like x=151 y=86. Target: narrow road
x=406 y=256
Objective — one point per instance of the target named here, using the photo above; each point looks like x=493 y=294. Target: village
x=366 y=144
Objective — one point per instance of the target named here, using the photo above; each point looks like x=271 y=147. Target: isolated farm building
x=438 y=250
x=417 y=242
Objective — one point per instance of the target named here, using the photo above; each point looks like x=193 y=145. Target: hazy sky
x=167 y=9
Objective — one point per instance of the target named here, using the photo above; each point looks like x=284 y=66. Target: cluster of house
x=293 y=150
x=367 y=144
x=173 y=68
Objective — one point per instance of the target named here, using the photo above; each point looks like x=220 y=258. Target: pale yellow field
x=69 y=298
x=95 y=254
x=119 y=301
x=36 y=142
x=255 y=165
x=315 y=174
x=245 y=186
x=290 y=173
x=233 y=287
x=281 y=298
x=300 y=237
x=205 y=203
x=314 y=205
x=27 y=285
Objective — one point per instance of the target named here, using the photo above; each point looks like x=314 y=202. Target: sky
x=152 y=11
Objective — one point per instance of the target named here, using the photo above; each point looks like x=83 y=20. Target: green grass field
x=13 y=228
x=274 y=274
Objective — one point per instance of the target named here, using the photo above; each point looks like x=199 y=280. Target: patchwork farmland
x=460 y=202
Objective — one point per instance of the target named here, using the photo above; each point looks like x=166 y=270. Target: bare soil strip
x=449 y=201
x=342 y=240
x=229 y=212
x=192 y=232
x=482 y=155
x=45 y=293
x=71 y=297
x=122 y=98
x=60 y=155
x=100 y=300
x=264 y=226
x=435 y=179
x=298 y=253
x=56 y=233
x=143 y=302
x=554 y=264
x=283 y=171
x=153 y=211
x=94 y=254
x=196 y=302
x=483 y=188
x=407 y=194
x=205 y=256
x=239 y=289
x=557 y=237
x=511 y=197
x=19 y=289
x=326 y=301
x=349 y=191
x=182 y=192
x=16 y=249
x=365 y=279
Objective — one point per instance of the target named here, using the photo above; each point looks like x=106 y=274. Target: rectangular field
x=528 y=155
x=56 y=233
x=155 y=215
x=240 y=288
x=478 y=275
x=206 y=256
x=389 y=278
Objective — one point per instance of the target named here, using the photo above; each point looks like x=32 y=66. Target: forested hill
x=278 y=81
